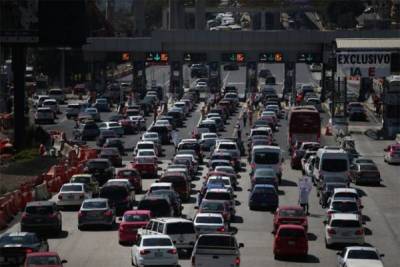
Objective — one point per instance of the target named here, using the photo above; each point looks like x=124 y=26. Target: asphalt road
x=99 y=248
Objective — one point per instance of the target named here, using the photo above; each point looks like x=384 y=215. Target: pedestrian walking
x=175 y=138
x=305 y=187
x=155 y=111
x=244 y=116
x=238 y=130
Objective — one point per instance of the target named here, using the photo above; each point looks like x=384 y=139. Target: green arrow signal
x=232 y=57
x=309 y=58
x=157 y=57
x=270 y=57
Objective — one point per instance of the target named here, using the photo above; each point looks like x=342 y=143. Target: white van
x=57 y=94
x=267 y=157
x=331 y=160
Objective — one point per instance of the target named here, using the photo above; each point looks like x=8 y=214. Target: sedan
x=365 y=173
x=93 y=112
x=96 y=211
x=112 y=154
x=392 y=155
x=16 y=245
x=154 y=250
x=133 y=176
x=290 y=215
x=359 y=256
x=131 y=222
x=73 y=194
x=206 y=223
x=36 y=259
x=112 y=125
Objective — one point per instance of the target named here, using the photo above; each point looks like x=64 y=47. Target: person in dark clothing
x=244 y=118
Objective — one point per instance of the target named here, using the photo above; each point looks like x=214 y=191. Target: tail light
x=81 y=214
x=360 y=232
x=24 y=215
x=237 y=261
x=28 y=250
x=144 y=252
x=108 y=213
x=221 y=229
x=331 y=232
x=171 y=251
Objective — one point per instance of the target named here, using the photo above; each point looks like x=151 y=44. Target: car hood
x=363 y=263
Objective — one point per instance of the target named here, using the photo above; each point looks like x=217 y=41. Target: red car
x=46 y=259
x=290 y=240
x=133 y=176
x=290 y=215
x=132 y=220
x=146 y=166
x=130 y=127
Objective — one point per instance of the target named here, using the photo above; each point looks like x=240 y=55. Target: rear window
x=41 y=210
x=345 y=223
x=334 y=165
x=180 y=228
x=216 y=241
x=98 y=164
x=218 y=196
x=266 y=158
x=55 y=92
x=227 y=146
x=344 y=206
x=157 y=242
x=114 y=192
x=71 y=188
x=136 y=217
x=362 y=254
x=143 y=160
x=368 y=168
x=145 y=146
x=209 y=206
x=43 y=261
x=159 y=207
x=24 y=239
x=127 y=173
x=211 y=220
x=291 y=233
x=291 y=213
x=94 y=205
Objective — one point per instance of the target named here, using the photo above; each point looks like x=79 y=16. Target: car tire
x=327 y=245
x=276 y=257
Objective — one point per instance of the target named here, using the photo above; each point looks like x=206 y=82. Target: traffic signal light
x=125 y=57
x=233 y=57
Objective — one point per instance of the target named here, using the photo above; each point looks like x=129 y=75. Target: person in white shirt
x=305 y=187
x=175 y=138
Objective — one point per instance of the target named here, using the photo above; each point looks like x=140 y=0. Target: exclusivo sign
x=363 y=64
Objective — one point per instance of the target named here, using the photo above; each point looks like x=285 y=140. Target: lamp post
x=62 y=66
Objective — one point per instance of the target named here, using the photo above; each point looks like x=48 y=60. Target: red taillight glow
x=172 y=251
x=237 y=261
x=331 y=232
x=53 y=215
x=81 y=214
x=108 y=213
x=144 y=252
x=24 y=215
x=221 y=229
x=28 y=250
x=360 y=232
x=253 y=165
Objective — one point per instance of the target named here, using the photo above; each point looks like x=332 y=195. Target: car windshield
x=94 y=205
x=33 y=261
x=362 y=254
x=157 y=242
x=23 y=239
x=210 y=220
x=114 y=192
x=345 y=206
x=227 y=146
x=98 y=165
x=180 y=228
x=211 y=206
x=136 y=217
x=218 y=196
x=71 y=188
x=266 y=158
x=291 y=212
x=42 y=210
x=334 y=165
x=293 y=233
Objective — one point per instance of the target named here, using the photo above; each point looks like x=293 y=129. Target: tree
x=344 y=13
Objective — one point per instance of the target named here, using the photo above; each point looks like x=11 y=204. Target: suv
x=57 y=94
x=233 y=149
x=344 y=228
x=41 y=215
x=101 y=169
x=160 y=206
x=181 y=231
x=119 y=196
x=88 y=130
x=44 y=114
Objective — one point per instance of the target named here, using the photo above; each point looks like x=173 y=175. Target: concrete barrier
x=41 y=192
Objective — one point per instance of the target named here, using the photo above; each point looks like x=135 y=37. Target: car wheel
x=276 y=257
x=327 y=245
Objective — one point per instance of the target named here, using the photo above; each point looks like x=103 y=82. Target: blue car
x=263 y=196
x=102 y=105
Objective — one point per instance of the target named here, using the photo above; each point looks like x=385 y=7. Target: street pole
x=62 y=69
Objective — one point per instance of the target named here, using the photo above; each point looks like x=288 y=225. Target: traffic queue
x=155 y=226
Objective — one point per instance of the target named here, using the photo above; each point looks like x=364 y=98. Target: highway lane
x=100 y=248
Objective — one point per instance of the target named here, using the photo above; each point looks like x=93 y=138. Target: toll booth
x=391 y=106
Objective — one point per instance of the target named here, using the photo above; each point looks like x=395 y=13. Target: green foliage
x=26 y=155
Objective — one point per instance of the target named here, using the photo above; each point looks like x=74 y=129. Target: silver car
x=206 y=223
x=96 y=211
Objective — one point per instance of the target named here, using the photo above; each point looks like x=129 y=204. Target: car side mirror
x=386 y=149
x=64 y=261
x=361 y=206
x=338 y=253
x=241 y=245
x=382 y=255
x=325 y=221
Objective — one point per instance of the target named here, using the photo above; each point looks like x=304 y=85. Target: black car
x=160 y=206
x=163 y=133
x=41 y=215
x=173 y=197
x=116 y=143
x=15 y=246
x=101 y=169
x=104 y=135
x=178 y=117
x=119 y=197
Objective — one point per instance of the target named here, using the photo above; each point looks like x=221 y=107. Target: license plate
x=291 y=242
x=70 y=197
x=158 y=254
x=345 y=233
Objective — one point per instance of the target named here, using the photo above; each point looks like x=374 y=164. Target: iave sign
x=363 y=64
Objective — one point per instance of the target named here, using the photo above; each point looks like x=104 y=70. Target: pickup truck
x=220 y=250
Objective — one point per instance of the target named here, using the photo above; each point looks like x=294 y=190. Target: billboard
x=363 y=64
x=19 y=22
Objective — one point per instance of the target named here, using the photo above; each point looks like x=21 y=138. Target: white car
x=165 y=123
x=44 y=115
x=206 y=223
x=146 y=145
x=344 y=228
x=57 y=94
x=52 y=104
x=140 y=121
x=148 y=153
x=154 y=250
x=37 y=100
x=392 y=154
x=73 y=194
x=112 y=125
x=359 y=256
x=161 y=186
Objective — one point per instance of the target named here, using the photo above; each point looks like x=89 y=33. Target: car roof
x=263 y=186
x=171 y=220
x=218 y=190
x=81 y=184
x=361 y=248
x=261 y=147
x=348 y=190
x=97 y=199
x=160 y=236
x=204 y=214
x=291 y=226
x=161 y=184
x=345 y=216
